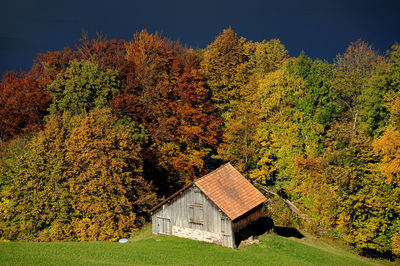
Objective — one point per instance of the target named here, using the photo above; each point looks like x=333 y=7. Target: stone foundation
x=197 y=234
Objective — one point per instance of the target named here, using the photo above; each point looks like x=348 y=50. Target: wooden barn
x=214 y=208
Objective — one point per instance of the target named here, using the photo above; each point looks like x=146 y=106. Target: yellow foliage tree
x=279 y=133
x=109 y=196
x=225 y=67
x=389 y=145
x=81 y=179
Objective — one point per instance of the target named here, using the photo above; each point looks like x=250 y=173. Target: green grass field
x=145 y=249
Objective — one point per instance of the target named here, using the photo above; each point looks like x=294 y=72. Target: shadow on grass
x=370 y=253
x=288 y=232
x=257 y=228
x=263 y=225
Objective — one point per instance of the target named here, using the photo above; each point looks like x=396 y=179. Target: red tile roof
x=230 y=191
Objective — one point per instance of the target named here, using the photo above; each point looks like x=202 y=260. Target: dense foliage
x=93 y=137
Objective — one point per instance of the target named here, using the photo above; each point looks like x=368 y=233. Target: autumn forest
x=94 y=136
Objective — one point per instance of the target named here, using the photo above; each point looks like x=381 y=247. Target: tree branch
x=288 y=202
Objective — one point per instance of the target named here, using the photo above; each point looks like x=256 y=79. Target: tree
x=390 y=86
x=318 y=105
x=81 y=179
x=174 y=105
x=109 y=196
x=393 y=69
x=344 y=192
x=314 y=193
x=151 y=57
x=192 y=128
x=354 y=68
x=279 y=133
x=223 y=66
x=266 y=56
x=109 y=54
x=83 y=86
x=227 y=67
x=106 y=53
x=36 y=201
x=240 y=143
x=47 y=66
x=23 y=104
x=366 y=216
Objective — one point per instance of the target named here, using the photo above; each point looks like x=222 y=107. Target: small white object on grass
x=123 y=240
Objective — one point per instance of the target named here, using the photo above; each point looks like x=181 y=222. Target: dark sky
x=321 y=28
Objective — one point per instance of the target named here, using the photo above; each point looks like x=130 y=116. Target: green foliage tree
x=83 y=86
x=354 y=70
x=320 y=100
x=319 y=104
x=389 y=84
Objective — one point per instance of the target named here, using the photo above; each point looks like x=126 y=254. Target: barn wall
x=246 y=219
x=192 y=215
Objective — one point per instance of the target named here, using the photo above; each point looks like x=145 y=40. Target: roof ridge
x=212 y=172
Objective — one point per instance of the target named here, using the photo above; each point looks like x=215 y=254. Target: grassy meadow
x=146 y=249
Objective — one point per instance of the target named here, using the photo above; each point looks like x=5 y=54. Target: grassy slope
x=147 y=249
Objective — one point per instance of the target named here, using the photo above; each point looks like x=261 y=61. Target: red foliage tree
x=167 y=95
x=23 y=104
x=47 y=66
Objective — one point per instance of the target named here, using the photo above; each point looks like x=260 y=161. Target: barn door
x=226 y=232
x=163 y=226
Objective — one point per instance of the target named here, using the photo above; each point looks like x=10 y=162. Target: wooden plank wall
x=180 y=210
x=246 y=219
